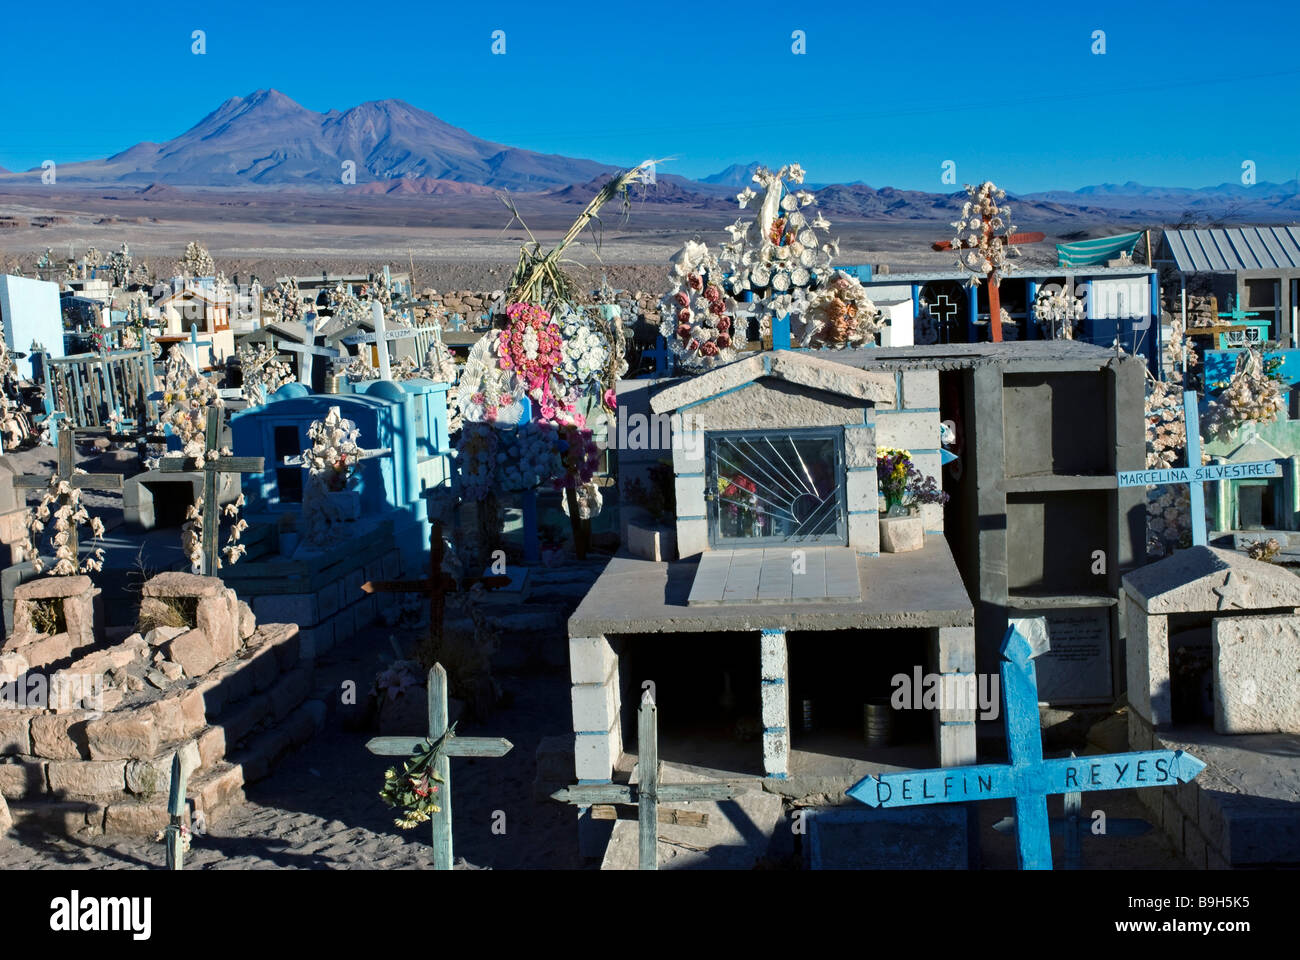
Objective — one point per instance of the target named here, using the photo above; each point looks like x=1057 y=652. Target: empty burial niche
x=844 y=694
x=171 y=500
x=1191 y=689
x=707 y=690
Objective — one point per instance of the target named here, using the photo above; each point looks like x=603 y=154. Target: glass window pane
x=771 y=487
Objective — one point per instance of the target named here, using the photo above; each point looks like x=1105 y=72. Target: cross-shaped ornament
x=1028 y=777
x=942 y=309
x=213 y=466
x=437 y=585
x=452 y=746
x=1194 y=474
x=381 y=337
x=65 y=471
x=648 y=791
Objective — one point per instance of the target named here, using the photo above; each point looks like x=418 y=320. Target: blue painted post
x=916 y=305
x=1155 y=356
x=1025 y=749
x=972 y=313
x=1032 y=329
x=781 y=332
x=1028 y=778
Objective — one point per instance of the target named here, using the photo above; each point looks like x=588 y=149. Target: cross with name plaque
x=1028 y=778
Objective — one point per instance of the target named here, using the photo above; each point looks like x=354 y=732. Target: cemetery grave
x=733 y=559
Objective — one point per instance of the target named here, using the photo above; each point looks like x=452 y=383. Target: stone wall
x=226 y=695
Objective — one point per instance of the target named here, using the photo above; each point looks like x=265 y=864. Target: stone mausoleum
x=772 y=640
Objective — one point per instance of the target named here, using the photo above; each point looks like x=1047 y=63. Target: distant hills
x=266 y=140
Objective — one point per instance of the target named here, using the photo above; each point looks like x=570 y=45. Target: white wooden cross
x=191 y=346
x=380 y=338
x=306 y=351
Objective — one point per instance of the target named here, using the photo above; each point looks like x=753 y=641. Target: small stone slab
x=711 y=577
x=811 y=583
x=769 y=576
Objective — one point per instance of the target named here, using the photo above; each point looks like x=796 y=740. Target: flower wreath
x=699 y=319
x=840 y=313
x=532 y=346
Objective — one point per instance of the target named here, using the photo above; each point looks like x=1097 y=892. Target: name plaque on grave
x=1077 y=669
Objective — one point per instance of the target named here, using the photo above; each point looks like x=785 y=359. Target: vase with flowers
x=903 y=488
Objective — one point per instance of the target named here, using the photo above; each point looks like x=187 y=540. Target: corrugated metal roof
x=1238 y=248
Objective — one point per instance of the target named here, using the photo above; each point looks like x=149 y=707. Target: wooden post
x=442 y=850
x=176 y=809
x=647 y=748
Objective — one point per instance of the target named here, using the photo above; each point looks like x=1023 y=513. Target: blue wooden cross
x=1194 y=474
x=1028 y=778
x=1072 y=828
x=662 y=356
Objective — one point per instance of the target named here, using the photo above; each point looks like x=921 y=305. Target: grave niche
x=841 y=671
x=709 y=714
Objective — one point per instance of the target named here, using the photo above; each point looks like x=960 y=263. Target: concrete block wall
x=1190 y=814
x=774 y=670
x=597 y=703
x=952 y=654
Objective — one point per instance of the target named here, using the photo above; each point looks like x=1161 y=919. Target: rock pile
x=87 y=736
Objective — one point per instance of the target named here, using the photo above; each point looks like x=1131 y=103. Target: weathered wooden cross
x=453 y=746
x=1028 y=778
x=381 y=337
x=1194 y=474
x=213 y=467
x=65 y=472
x=995 y=297
x=1073 y=826
x=176 y=811
x=437 y=585
x=647 y=793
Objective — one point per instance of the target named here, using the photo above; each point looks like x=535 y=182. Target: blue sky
x=885 y=93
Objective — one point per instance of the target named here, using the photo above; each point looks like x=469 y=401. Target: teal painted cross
x=1237 y=314
x=1028 y=778
x=1194 y=474
x=453 y=746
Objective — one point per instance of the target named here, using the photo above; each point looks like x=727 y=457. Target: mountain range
x=267 y=140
